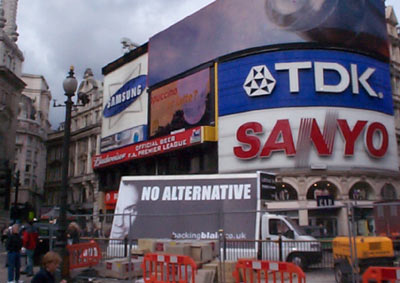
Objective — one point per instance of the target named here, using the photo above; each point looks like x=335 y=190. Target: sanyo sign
x=304 y=137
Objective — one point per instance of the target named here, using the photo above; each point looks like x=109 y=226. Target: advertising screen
x=316 y=138
x=225 y=27
x=181 y=104
x=314 y=109
x=298 y=78
x=186 y=207
x=125 y=103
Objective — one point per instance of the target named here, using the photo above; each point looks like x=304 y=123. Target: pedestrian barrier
x=84 y=255
x=248 y=270
x=379 y=274
x=160 y=268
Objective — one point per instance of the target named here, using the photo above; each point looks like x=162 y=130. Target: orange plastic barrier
x=160 y=268
x=84 y=254
x=379 y=274
x=248 y=270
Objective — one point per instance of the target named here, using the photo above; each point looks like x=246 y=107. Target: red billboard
x=149 y=148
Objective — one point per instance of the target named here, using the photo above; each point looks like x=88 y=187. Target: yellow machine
x=369 y=251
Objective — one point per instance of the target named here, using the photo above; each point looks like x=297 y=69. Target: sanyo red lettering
x=377 y=128
x=280 y=139
x=245 y=135
x=281 y=131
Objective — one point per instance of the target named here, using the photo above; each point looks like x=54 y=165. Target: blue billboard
x=226 y=27
x=125 y=96
x=302 y=78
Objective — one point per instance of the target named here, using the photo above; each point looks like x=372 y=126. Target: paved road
x=320 y=276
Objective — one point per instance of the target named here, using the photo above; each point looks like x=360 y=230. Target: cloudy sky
x=86 y=33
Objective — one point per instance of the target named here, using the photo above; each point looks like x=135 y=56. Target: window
x=109 y=216
x=27 y=168
x=277 y=227
x=28 y=155
x=82 y=167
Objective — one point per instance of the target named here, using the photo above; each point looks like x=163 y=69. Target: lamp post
x=70 y=85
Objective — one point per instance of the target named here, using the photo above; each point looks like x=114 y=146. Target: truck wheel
x=340 y=276
x=298 y=260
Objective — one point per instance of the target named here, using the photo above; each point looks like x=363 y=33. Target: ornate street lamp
x=70 y=85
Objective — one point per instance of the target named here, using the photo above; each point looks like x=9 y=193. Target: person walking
x=14 y=245
x=73 y=233
x=50 y=262
x=29 y=240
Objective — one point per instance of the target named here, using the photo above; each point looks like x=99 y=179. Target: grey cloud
x=87 y=33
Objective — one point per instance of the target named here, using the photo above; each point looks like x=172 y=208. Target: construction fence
x=122 y=257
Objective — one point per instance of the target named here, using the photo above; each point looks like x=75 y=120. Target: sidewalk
x=3 y=268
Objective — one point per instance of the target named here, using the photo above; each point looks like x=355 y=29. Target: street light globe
x=70 y=84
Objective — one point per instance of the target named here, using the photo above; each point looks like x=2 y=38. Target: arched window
x=322 y=188
x=388 y=192
x=361 y=191
x=284 y=192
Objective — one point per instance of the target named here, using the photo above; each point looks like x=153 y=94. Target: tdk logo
x=260 y=81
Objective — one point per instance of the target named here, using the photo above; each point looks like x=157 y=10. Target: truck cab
x=284 y=240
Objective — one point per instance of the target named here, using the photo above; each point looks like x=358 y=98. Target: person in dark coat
x=73 y=233
x=50 y=262
x=14 y=245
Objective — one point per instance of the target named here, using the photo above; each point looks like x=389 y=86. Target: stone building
x=11 y=85
x=85 y=137
x=394 y=39
x=32 y=130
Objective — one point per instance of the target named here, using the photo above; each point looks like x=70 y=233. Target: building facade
x=32 y=130
x=11 y=85
x=303 y=103
x=85 y=138
x=394 y=46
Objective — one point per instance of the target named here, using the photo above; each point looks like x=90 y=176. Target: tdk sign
x=260 y=81
x=125 y=96
x=304 y=78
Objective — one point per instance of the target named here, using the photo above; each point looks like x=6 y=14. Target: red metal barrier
x=379 y=274
x=160 y=268
x=84 y=255
x=248 y=270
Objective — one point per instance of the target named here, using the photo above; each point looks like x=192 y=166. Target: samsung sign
x=304 y=78
x=125 y=96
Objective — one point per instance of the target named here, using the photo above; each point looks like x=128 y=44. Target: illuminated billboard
x=308 y=109
x=182 y=104
x=225 y=27
x=125 y=103
x=316 y=138
x=297 y=78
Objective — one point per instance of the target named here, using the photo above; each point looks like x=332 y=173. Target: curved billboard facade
x=316 y=109
x=225 y=27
